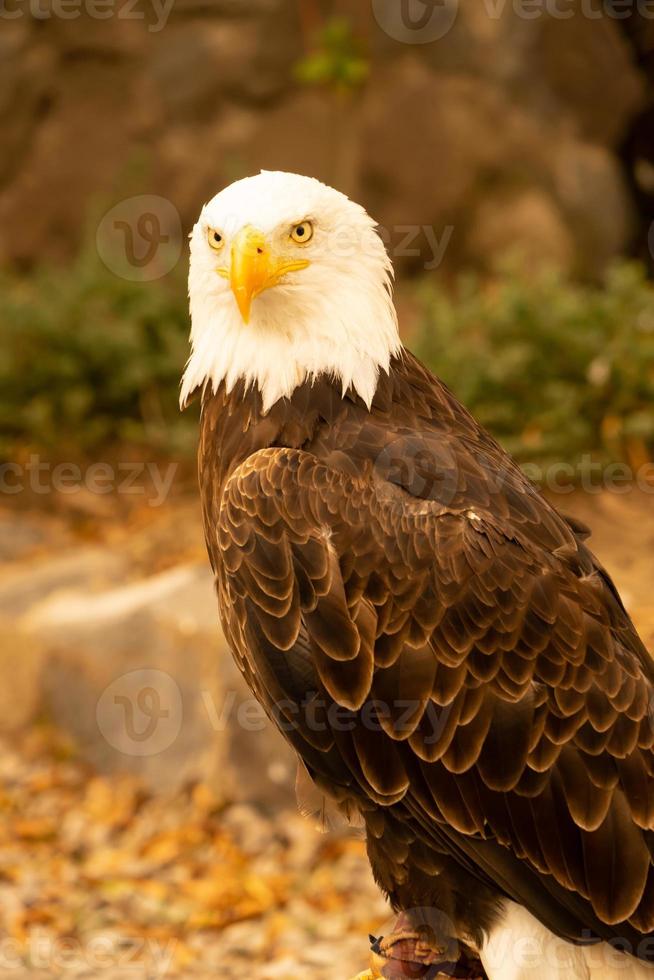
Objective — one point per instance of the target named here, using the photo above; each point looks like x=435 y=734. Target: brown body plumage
x=495 y=726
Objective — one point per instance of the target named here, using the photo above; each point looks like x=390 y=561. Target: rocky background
x=508 y=129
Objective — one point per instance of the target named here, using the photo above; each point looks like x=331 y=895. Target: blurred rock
x=571 y=60
x=196 y=65
x=525 y=226
x=25 y=65
x=590 y=185
x=88 y=156
x=140 y=677
x=312 y=132
x=225 y=8
x=445 y=131
x=23 y=534
x=117 y=38
x=30 y=582
x=21 y=666
x=442 y=134
x=489 y=47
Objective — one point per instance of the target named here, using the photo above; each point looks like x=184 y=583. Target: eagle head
x=289 y=279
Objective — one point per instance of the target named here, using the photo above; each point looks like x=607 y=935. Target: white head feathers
x=334 y=314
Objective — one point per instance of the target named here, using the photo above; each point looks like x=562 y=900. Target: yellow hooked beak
x=255 y=267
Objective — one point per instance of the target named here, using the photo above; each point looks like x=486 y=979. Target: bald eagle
x=447 y=657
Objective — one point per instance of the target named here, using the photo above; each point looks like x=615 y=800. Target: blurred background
x=506 y=148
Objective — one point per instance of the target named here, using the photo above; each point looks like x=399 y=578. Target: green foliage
x=554 y=370
x=89 y=359
x=337 y=60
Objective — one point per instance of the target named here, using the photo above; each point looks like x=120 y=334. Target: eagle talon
x=405 y=954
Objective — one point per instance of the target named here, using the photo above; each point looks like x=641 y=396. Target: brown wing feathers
x=488 y=680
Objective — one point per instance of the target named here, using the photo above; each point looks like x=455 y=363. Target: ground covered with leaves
x=99 y=877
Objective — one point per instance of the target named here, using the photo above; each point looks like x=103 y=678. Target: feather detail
x=456 y=664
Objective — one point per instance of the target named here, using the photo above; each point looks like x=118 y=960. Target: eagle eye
x=302 y=233
x=215 y=238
